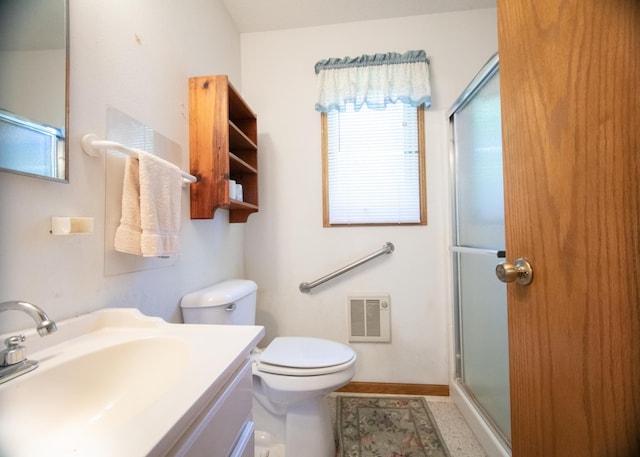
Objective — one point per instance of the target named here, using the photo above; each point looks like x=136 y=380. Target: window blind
x=373 y=165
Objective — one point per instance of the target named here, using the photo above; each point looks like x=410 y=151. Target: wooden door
x=570 y=91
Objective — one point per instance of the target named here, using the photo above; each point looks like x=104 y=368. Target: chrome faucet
x=45 y=325
x=13 y=358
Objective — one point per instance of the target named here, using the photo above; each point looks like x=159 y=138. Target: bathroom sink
x=92 y=392
x=121 y=384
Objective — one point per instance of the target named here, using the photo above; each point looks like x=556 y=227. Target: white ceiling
x=263 y=15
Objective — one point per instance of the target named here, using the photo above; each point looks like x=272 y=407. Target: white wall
x=285 y=243
x=137 y=57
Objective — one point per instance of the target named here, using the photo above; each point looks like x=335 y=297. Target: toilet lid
x=302 y=352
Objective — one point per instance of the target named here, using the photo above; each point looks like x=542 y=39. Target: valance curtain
x=374 y=80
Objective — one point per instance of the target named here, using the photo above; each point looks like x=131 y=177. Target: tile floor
x=457 y=435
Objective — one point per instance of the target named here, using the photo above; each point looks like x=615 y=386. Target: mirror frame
x=66 y=93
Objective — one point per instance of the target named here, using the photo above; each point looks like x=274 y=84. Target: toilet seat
x=288 y=371
x=302 y=356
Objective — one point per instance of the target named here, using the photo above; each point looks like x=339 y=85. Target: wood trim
x=324 y=129
x=422 y=165
x=439 y=390
x=422 y=173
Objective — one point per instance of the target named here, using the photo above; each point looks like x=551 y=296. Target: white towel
x=151 y=194
x=129 y=231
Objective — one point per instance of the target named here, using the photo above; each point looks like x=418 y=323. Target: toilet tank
x=231 y=302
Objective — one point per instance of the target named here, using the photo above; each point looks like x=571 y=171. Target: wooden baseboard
x=395 y=388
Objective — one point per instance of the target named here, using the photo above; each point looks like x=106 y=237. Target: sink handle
x=14 y=352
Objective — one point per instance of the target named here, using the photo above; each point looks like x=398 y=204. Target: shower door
x=480 y=302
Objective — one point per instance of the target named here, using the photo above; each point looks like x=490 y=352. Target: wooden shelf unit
x=223 y=145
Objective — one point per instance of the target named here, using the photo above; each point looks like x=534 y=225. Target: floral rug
x=387 y=427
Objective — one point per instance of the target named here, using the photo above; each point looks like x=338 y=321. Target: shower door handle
x=520 y=272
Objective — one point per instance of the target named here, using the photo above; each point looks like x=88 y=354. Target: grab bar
x=91 y=145
x=387 y=248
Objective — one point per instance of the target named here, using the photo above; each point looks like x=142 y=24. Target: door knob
x=520 y=272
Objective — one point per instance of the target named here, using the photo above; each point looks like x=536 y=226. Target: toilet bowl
x=291 y=376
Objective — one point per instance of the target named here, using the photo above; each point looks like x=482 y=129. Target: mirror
x=34 y=87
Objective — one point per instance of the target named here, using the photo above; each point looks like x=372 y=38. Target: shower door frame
x=488 y=432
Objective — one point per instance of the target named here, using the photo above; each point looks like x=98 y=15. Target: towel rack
x=387 y=248
x=481 y=251
x=91 y=145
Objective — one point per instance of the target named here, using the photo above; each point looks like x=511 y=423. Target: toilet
x=291 y=376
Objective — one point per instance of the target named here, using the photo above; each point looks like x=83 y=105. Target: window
x=373 y=138
x=373 y=166
x=30 y=147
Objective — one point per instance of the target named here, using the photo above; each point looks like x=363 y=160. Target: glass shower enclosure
x=478 y=240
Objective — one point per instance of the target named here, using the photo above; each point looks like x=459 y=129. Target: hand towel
x=156 y=186
x=129 y=231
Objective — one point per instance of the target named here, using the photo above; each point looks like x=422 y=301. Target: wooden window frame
x=422 y=178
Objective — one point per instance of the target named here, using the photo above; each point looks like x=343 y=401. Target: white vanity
x=224 y=428
x=116 y=382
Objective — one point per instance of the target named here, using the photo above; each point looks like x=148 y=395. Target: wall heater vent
x=369 y=318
